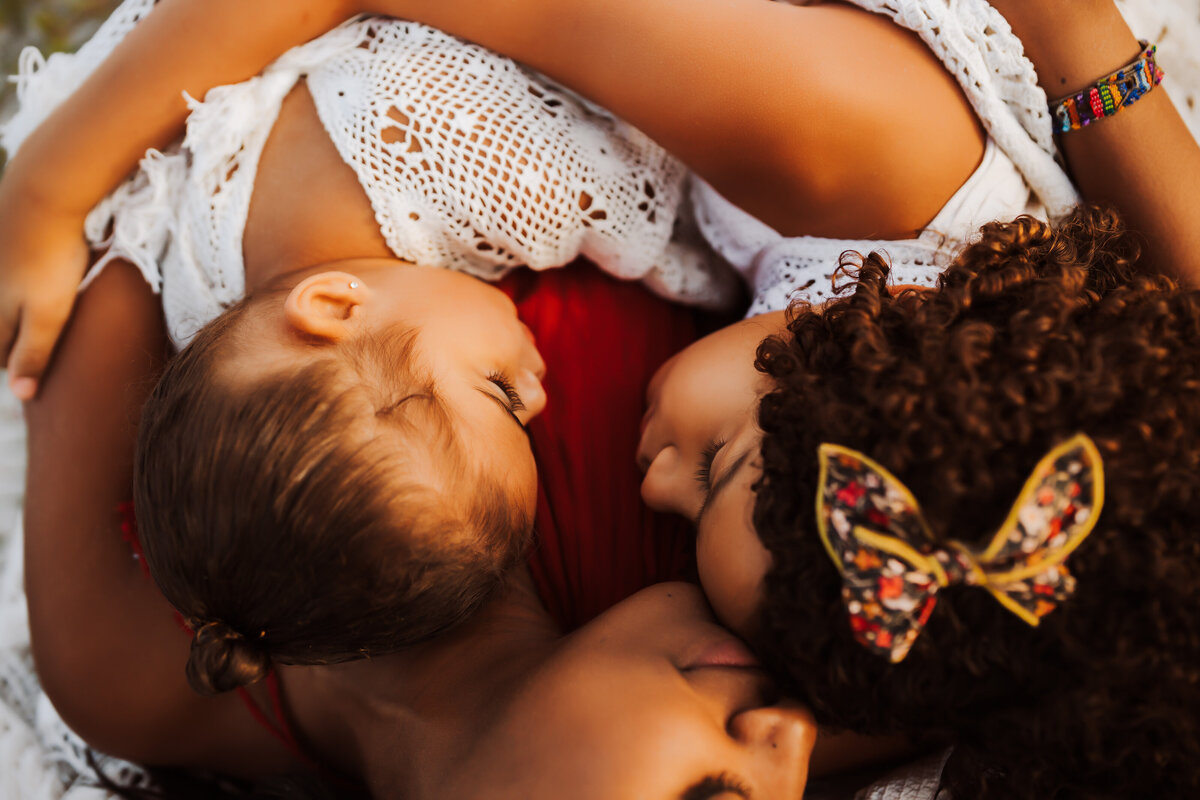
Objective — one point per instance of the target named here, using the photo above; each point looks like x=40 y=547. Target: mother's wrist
x=27 y=192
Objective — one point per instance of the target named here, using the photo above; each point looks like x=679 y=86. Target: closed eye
x=704 y=468
x=510 y=391
x=714 y=786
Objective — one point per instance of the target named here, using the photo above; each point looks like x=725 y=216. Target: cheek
x=525 y=479
x=732 y=563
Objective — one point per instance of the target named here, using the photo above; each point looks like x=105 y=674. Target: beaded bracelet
x=1110 y=94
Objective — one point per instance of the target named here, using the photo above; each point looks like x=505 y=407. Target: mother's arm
x=108 y=650
x=1143 y=161
x=818 y=120
x=132 y=102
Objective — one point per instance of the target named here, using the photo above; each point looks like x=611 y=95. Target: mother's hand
x=42 y=259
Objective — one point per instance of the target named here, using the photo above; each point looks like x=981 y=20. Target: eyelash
x=510 y=391
x=704 y=470
x=717 y=785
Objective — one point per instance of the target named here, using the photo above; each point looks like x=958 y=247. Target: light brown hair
x=282 y=533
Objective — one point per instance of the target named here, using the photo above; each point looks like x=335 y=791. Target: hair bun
x=222 y=659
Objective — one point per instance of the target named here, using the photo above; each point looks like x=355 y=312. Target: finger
x=8 y=332
x=24 y=389
x=8 y=335
x=39 y=331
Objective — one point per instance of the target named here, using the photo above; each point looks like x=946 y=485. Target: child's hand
x=43 y=257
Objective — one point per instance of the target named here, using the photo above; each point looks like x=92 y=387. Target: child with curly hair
x=1074 y=674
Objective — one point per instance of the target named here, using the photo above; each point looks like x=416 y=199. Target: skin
x=1088 y=39
x=595 y=47
x=747 y=73
x=702 y=403
x=48 y=189
x=467 y=715
x=479 y=357
x=355 y=716
x=644 y=702
x=110 y=357
x=106 y=645
x=1071 y=45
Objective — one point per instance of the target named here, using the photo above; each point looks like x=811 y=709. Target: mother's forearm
x=108 y=650
x=134 y=100
x=1143 y=160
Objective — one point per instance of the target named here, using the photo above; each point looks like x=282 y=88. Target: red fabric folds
x=602 y=339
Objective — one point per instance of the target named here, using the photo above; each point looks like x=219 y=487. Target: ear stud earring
x=353 y=284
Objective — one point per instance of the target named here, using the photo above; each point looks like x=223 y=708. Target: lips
x=727 y=652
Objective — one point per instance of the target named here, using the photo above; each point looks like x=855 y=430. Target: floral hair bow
x=892 y=566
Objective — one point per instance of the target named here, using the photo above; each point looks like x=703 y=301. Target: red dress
x=602 y=339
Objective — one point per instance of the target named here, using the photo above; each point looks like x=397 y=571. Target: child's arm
x=109 y=652
x=1143 y=161
x=131 y=103
x=822 y=119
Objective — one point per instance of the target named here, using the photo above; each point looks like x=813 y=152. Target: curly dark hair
x=1035 y=333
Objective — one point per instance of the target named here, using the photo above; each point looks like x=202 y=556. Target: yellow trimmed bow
x=892 y=566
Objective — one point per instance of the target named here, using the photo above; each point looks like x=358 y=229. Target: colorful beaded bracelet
x=1110 y=94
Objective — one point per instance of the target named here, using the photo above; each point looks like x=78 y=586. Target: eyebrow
x=505 y=407
x=720 y=483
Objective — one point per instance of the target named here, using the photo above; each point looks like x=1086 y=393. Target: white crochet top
x=470 y=162
x=1018 y=173
x=474 y=163
x=780 y=269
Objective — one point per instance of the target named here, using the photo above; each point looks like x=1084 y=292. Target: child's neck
x=377 y=719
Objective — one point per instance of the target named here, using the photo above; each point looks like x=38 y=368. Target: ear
x=322 y=306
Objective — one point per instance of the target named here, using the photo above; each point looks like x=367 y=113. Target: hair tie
x=218 y=630
x=222 y=658
x=892 y=566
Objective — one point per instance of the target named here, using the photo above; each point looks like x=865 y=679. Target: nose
x=782 y=738
x=537 y=364
x=533 y=394
x=659 y=489
x=785 y=723
x=528 y=333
